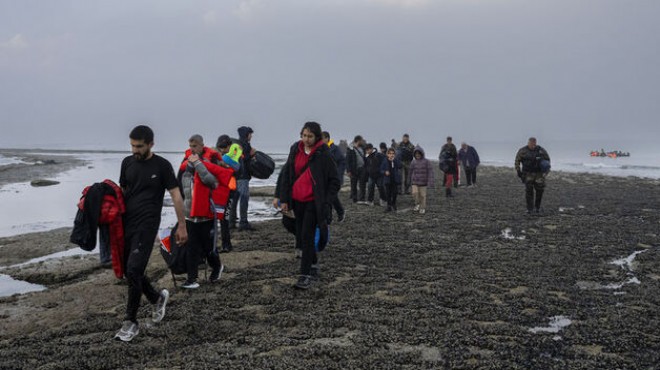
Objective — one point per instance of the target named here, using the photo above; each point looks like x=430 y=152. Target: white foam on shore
x=508 y=234
x=626 y=263
x=9 y=286
x=556 y=324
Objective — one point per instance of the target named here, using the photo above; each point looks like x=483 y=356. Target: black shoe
x=529 y=211
x=394 y=208
x=226 y=248
x=315 y=272
x=246 y=227
x=388 y=209
x=539 y=210
x=304 y=282
x=216 y=274
x=341 y=217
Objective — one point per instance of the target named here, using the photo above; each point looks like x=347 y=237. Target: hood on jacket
x=418 y=149
x=244 y=131
x=315 y=148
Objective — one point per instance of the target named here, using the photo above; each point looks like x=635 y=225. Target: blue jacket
x=395 y=171
x=469 y=158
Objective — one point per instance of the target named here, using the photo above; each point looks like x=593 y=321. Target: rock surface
x=398 y=290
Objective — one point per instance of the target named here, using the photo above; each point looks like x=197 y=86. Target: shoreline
x=473 y=283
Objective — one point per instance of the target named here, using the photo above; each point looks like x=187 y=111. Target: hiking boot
x=216 y=274
x=341 y=217
x=128 y=331
x=539 y=210
x=304 y=282
x=422 y=211
x=226 y=248
x=315 y=272
x=106 y=265
x=159 y=307
x=246 y=227
x=416 y=208
x=190 y=285
x=530 y=211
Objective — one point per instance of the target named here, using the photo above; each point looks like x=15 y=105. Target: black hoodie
x=244 y=171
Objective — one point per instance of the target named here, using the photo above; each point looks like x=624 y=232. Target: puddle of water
x=556 y=324
x=9 y=286
x=67 y=253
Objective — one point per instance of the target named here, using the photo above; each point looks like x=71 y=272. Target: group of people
x=307 y=191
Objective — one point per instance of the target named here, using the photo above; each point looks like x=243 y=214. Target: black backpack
x=174 y=254
x=261 y=166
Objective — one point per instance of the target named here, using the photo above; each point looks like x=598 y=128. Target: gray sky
x=83 y=73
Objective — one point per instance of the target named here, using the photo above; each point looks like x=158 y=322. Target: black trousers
x=306 y=223
x=139 y=245
x=372 y=184
x=358 y=185
x=391 y=189
x=201 y=240
x=336 y=204
x=224 y=231
x=471 y=175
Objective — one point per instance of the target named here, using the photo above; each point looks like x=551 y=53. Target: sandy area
x=474 y=283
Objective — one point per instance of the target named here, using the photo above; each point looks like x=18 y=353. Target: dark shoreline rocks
x=449 y=289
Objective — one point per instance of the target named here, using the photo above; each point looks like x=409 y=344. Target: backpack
x=261 y=166
x=173 y=254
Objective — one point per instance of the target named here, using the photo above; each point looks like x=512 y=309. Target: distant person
x=355 y=160
x=421 y=178
x=340 y=162
x=200 y=176
x=535 y=163
x=242 y=196
x=144 y=177
x=383 y=149
x=450 y=152
x=373 y=162
x=394 y=145
x=406 y=155
x=343 y=146
x=469 y=158
x=308 y=185
x=391 y=171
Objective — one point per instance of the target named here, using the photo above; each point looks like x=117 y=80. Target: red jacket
x=112 y=209
x=202 y=194
x=303 y=188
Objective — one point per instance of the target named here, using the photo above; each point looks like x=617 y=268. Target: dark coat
x=373 y=163
x=395 y=171
x=244 y=171
x=324 y=174
x=339 y=158
x=448 y=159
x=469 y=158
x=352 y=160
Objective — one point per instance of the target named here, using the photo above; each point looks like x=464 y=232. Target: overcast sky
x=83 y=73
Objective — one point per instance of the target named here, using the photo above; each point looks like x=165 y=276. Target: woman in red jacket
x=309 y=183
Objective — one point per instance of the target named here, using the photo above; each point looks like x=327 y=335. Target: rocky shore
x=36 y=166
x=474 y=283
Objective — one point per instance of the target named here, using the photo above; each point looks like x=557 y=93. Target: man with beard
x=144 y=177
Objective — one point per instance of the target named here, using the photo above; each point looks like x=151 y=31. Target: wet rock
x=41 y=183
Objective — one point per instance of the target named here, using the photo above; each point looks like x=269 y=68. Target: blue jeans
x=241 y=198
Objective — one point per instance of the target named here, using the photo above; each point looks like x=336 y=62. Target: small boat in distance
x=612 y=154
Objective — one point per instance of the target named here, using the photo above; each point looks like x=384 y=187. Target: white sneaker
x=128 y=331
x=370 y=204
x=422 y=211
x=190 y=285
x=416 y=208
x=383 y=203
x=159 y=307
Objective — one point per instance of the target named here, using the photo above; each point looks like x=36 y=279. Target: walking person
x=535 y=163
x=308 y=185
x=373 y=162
x=355 y=160
x=391 y=170
x=144 y=177
x=241 y=198
x=469 y=158
x=421 y=178
x=449 y=152
x=201 y=175
x=223 y=145
x=340 y=162
x=406 y=151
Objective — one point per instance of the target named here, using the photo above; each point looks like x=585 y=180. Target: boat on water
x=612 y=154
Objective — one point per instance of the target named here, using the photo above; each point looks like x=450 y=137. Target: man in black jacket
x=373 y=162
x=355 y=158
x=535 y=163
x=241 y=196
x=405 y=151
x=340 y=162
